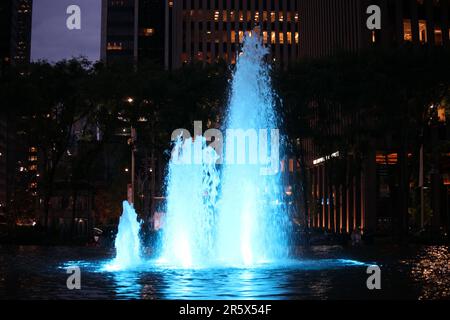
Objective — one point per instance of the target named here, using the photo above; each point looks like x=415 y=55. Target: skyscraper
x=21 y=31
x=135 y=30
x=122 y=30
x=5 y=33
x=151 y=31
x=3 y=162
x=201 y=30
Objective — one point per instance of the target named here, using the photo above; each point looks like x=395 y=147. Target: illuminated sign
x=323 y=159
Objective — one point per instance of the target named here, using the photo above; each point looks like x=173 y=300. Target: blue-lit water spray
x=192 y=191
x=246 y=223
x=254 y=225
x=127 y=243
x=226 y=229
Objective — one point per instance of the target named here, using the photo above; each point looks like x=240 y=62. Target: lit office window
x=407 y=30
x=289 y=37
x=438 y=36
x=441 y=114
x=265 y=37
x=114 y=46
x=423 y=31
x=147 y=32
x=241 y=36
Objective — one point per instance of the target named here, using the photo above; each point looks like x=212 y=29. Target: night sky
x=53 y=41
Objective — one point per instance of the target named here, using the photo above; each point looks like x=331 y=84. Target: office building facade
x=3 y=162
x=121 y=30
x=329 y=27
x=135 y=30
x=21 y=31
x=5 y=33
x=15 y=30
x=208 y=31
x=151 y=32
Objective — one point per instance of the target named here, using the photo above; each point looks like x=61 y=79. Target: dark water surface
x=324 y=272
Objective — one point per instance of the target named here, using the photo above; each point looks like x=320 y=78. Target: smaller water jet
x=127 y=243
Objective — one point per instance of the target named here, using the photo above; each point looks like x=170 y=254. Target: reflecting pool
x=323 y=272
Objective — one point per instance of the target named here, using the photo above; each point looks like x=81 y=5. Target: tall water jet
x=127 y=243
x=253 y=223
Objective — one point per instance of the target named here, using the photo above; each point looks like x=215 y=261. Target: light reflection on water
x=264 y=281
x=431 y=269
x=40 y=273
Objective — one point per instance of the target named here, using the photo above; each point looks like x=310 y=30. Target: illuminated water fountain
x=226 y=229
x=242 y=221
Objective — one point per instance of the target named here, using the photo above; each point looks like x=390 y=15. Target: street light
x=133 y=164
x=130 y=191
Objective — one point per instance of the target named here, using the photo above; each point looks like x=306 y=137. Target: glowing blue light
x=247 y=221
x=128 y=243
